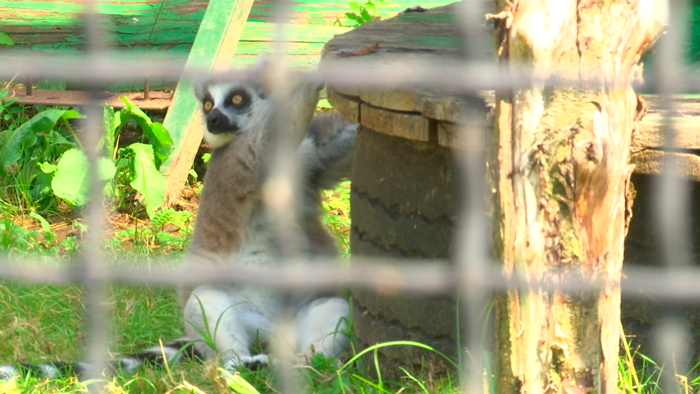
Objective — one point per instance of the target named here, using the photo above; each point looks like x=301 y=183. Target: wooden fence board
x=214 y=47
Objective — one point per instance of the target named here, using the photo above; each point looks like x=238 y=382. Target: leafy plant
x=136 y=165
x=27 y=141
x=70 y=181
x=361 y=13
x=156 y=235
x=17 y=240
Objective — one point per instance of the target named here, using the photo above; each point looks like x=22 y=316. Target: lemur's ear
x=263 y=75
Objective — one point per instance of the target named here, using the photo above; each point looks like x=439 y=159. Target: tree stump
x=560 y=165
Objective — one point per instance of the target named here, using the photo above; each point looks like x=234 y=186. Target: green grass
x=337 y=203
x=46 y=323
x=43 y=323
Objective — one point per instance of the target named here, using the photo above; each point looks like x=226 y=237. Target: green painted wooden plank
x=39 y=12
x=180 y=34
x=213 y=48
x=166 y=30
x=175 y=32
x=175 y=19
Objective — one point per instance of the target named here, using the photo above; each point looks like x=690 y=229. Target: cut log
x=560 y=157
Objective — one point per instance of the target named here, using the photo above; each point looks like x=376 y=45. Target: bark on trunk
x=560 y=167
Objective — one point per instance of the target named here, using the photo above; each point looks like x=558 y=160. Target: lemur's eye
x=208 y=106
x=237 y=99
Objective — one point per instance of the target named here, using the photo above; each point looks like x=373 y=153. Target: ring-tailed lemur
x=233 y=227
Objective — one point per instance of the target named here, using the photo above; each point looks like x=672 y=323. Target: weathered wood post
x=560 y=165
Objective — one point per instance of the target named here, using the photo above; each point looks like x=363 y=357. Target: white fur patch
x=8 y=372
x=169 y=352
x=232 y=363
x=129 y=364
x=49 y=371
x=217 y=140
x=320 y=325
x=220 y=91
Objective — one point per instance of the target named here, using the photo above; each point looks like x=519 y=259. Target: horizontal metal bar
x=455 y=75
x=413 y=276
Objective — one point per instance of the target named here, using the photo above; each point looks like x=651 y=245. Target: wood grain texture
x=651 y=162
x=349 y=107
x=560 y=161
x=399 y=124
x=156 y=22
x=159 y=101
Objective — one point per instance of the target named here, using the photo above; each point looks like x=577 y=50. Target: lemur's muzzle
x=218 y=123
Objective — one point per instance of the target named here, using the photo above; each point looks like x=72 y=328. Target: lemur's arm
x=302 y=105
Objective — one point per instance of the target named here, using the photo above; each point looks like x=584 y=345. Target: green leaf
x=5 y=39
x=147 y=180
x=323 y=103
x=47 y=119
x=355 y=6
x=47 y=168
x=370 y=6
x=162 y=217
x=366 y=17
x=164 y=146
x=10 y=101
x=354 y=17
x=111 y=121
x=70 y=181
x=44 y=224
x=135 y=111
x=13 y=142
x=180 y=218
x=157 y=135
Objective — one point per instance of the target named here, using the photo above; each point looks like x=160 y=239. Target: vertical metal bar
x=671 y=197
x=28 y=82
x=472 y=238
x=281 y=193
x=92 y=258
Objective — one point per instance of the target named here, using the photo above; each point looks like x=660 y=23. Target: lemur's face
x=228 y=110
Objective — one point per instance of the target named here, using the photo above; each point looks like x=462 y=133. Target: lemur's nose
x=217 y=122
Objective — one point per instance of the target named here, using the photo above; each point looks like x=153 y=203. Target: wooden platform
x=159 y=101
x=432 y=115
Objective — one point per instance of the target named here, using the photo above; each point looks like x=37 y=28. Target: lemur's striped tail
x=174 y=351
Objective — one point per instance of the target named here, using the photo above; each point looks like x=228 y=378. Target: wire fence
x=472 y=271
